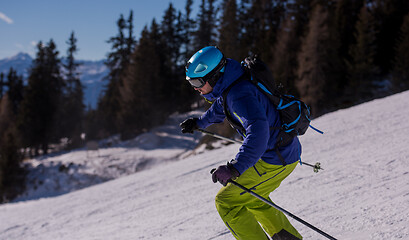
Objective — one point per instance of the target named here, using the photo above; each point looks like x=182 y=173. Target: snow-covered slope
x=60 y=173
x=362 y=193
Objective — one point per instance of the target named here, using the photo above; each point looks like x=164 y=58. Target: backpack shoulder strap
x=236 y=124
x=229 y=117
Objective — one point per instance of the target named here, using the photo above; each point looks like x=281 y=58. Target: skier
x=255 y=166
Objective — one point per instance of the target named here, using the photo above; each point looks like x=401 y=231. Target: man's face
x=205 y=89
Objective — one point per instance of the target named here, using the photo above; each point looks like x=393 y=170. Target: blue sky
x=23 y=23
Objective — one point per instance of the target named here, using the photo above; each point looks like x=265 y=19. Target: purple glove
x=224 y=174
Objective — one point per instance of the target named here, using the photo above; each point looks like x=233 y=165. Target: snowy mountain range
x=91 y=74
x=158 y=185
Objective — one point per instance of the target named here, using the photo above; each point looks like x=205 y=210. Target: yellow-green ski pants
x=243 y=213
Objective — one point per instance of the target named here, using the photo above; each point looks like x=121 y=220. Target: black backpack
x=294 y=114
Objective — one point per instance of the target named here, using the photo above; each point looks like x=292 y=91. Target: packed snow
x=157 y=187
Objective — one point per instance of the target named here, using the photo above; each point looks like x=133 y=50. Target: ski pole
x=219 y=136
x=316 y=166
x=283 y=210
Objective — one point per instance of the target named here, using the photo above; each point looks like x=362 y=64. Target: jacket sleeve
x=214 y=114
x=252 y=115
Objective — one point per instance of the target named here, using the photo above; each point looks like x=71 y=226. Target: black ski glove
x=189 y=125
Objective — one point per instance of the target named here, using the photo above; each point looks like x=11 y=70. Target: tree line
x=42 y=112
x=330 y=53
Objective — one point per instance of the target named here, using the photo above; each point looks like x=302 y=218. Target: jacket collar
x=232 y=72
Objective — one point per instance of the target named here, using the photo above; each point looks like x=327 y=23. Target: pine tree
x=243 y=16
x=288 y=45
x=275 y=14
x=73 y=105
x=188 y=25
x=56 y=85
x=318 y=71
x=285 y=53
x=300 y=11
x=144 y=91
x=72 y=76
x=173 y=31
x=40 y=116
x=362 y=70
x=401 y=68
x=30 y=118
x=158 y=83
x=263 y=18
x=229 y=30
x=252 y=25
x=346 y=16
x=11 y=175
x=311 y=77
x=187 y=94
x=15 y=89
x=1 y=84
x=171 y=36
x=133 y=100
x=205 y=33
x=130 y=40
x=109 y=105
x=389 y=15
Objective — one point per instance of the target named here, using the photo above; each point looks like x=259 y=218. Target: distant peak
x=20 y=56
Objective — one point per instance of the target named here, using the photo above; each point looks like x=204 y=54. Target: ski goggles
x=196 y=82
x=213 y=76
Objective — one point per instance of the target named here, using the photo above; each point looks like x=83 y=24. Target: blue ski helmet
x=206 y=65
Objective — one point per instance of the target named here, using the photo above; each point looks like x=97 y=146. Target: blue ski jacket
x=254 y=111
